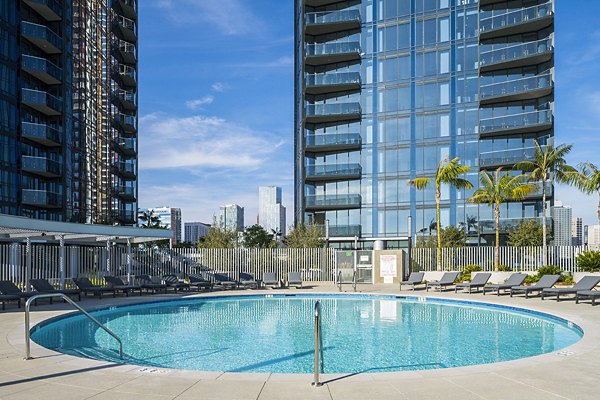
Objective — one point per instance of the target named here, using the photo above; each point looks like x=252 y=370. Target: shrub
x=548 y=270
x=589 y=261
x=504 y=268
x=466 y=272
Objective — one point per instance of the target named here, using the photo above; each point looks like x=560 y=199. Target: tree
x=498 y=188
x=257 y=237
x=471 y=222
x=548 y=161
x=150 y=220
x=217 y=238
x=451 y=236
x=448 y=172
x=587 y=180
x=528 y=233
x=305 y=236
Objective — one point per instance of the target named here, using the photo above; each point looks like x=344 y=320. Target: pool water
x=276 y=334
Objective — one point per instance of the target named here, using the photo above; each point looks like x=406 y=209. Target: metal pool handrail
x=68 y=300
x=339 y=280
x=318 y=345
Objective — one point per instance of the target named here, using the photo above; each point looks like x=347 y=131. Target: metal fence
x=515 y=258
x=49 y=262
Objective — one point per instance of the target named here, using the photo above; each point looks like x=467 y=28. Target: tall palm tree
x=150 y=220
x=498 y=188
x=587 y=179
x=549 y=163
x=448 y=172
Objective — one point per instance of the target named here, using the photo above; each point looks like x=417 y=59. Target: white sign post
x=388 y=267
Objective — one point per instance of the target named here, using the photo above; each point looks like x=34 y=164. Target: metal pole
x=62 y=261
x=409 y=269
x=28 y=266
x=128 y=261
x=326 y=233
x=317 y=335
x=108 y=257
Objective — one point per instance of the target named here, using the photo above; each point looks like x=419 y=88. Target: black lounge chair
x=224 y=281
x=447 y=280
x=415 y=278
x=585 y=294
x=43 y=286
x=481 y=278
x=270 y=280
x=513 y=280
x=247 y=281
x=294 y=279
x=584 y=284
x=86 y=286
x=173 y=282
x=199 y=282
x=5 y=298
x=546 y=281
x=117 y=283
x=147 y=283
x=8 y=288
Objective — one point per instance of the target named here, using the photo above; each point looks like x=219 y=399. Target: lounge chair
x=270 y=280
x=224 y=281
x=294 y=279
x=43 y=286
x=118 y=284
x=147 y=283
x=447 y=280
x=248 y=281
x=583 y=294
x=546 y=281
x=173 y=281
x=8 y=288
x=415 y=278
x=86 y=286
x=478 y=282
x=4 y=298
x=586 y=283
x=513 y=280
x=199 y=282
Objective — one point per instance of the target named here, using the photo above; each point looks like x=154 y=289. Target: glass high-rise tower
x=68 y=110
x=386 y=89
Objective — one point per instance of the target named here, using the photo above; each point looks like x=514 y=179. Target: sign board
x=388 y=266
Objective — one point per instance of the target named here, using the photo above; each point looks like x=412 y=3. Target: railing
x=319 y=364
x=334 y=139
x=515 y=17
x=332 y=17
x=333 y=170
x=68 y=300
x=333 y=200
x=506 y=157
x=340 y=281
x=516 y=86
x=53 y=5
x=42 y=98
x=127 y=121
x=515 y=121
x=515 y=52
x=342 y=78
x=41 y=198
x=125 y=22
x=125 y=46
x=324 y=110
x=124 y=167
x=41 y=32
x=341 y=230
x=125 y=95
x=42 y=65
x=40 y=164
x=40 y=131
x=327 y=49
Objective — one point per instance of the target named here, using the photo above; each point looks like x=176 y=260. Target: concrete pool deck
x=572 y=373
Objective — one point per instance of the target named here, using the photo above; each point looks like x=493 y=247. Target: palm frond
x=419 y=183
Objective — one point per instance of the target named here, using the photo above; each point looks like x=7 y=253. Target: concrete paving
x=572 y=373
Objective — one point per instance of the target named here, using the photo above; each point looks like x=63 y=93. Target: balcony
x=332 y=202
x=42 y=37
x=333 y=172
x=126 y=216
x=506 y=157
x=322 y=23
x=319 y=3
x=333 y=142
x=125 y=76
x=124 y=52
x=515 y=22
x=124 y=146
x=329 y=83
x=125 y=193
x=42 y=69
x=41 y=166
x=331 y=53
x=125 y=123
x=50 y=10
x=321 y=113
x=125 y=100
x=537 y=195
x=41 y=198
x=41 y=101
x=124 y=28
x=124 y=170
x=349 y=231
x=126 y=8
x=506 y=224
x=41 y=133
x=529 y=122
x=517 y=55
x=528 y=88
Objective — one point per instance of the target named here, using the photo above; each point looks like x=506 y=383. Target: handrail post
x=316 y=382
x=339 y=280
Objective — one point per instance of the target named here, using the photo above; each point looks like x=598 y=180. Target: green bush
x=589 y=261
x=548 y=270
x=466 y=272
x=504 y=268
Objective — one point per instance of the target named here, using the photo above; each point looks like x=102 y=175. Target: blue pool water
x=275 y=334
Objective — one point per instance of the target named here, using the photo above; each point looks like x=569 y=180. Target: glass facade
x=411 y=83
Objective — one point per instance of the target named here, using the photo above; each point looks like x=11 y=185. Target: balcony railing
x=316 y=113
x=42 y=36
x=507 y=224
x=321 y=23
x=327 y=53
x=125 y=146
x=126 y=51
x=325 y=83
x=51 y=10
x=125 y=75
x=331 y=142
x=506 y=157
x=332 y=202
x=341 y=230
x=126 y=216
x=124 y=28
x=517 y=123
x=518 y=89
x=126 y=123
x=41 y=166
x=41 y=133
x=516 y=21
x=127 y=8
x=124 y=169
x=42 y=69
x=125 y=99
x=516 y=55
x=41 y=101
x=125 y=192
x=333 y=172
x=41 y=198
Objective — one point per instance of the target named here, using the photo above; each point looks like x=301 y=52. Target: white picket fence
x=516 y=258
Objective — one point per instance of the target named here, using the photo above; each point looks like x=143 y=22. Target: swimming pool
x=274 y=333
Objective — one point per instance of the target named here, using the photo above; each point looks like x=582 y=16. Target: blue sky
x=216 y=101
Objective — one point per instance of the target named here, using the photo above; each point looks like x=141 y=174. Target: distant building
x=170 y=218
x=577 y=231
x=194 y=231
x=594 y=235
x=231 y=217
x=562 y=217
x=271 y=213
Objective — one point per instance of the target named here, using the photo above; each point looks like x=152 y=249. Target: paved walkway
x=573 y=373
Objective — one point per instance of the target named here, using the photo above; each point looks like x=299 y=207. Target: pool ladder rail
x=68 y=300
x=340 y=282
x=319 y=364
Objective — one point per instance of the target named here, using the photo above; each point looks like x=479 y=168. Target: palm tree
x=497 y=189
x=549 y=161
x=587 y=180
x=150 y=220
x=448 y=172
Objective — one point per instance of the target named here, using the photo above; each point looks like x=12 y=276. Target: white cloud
x=219 y=87
x=198 y=103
